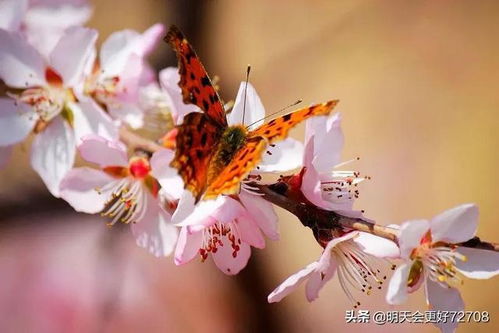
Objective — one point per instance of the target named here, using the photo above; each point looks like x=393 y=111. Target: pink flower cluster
x=73 y=99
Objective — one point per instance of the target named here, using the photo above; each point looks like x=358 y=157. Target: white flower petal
x=377 y=246
x=444 y=299
x=16 y=121
x=21 y=65
x=188 y=245
x=455 y=225
x=318 y=280
x=201 y=212
x=328 y=141
x=128 y=113
x=262 y=212
x=167 y=176
x=154 y=231
x=96 y=149
x=284 y=156
x=229 y=264
x=53 y=153
x=397 y=288
x=480 y=264
x=12 y=13
x=150 y=38
x=249 y=232
x=291 y=283
x=411 y=233
x=71 y=54
x=116 y=50
x=89 y=118
x=185 y=207
x=325 y=259
x=79 y=189
x=254 y=112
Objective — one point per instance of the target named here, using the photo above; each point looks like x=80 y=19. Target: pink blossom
x=43 y=101
x=434 y=258
x=123 y=189
x=321 y=184
x=354 y=257
x=116 y=78
x=42 y=23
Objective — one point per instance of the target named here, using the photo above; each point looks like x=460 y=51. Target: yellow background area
x=418 y=88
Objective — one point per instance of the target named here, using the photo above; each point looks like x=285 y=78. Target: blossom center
x=219 y=235
x=357 y=270
x=139 y=167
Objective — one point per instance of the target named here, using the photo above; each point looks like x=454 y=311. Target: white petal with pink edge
x=188 y=245
x=21 y=66
x=228 y=263
x=53 y=153
x=411 y=233
x=286 y=155
x=397 y=288
x=317 y=280
x=253 y=113
x=81 y=189
x=154 y=231
x=71 y=54
x=90 y=118
x=98 y=150
x=16 y=121
x=262 y=212
x=291 y=283
x=12 y=13
x=168 y=177
x=377 y=246
x=455 y=225
x=479 y=264
x=444 y=299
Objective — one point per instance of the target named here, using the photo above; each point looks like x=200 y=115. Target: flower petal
x=169 y=79
x=154 y=231
x=16 y=121
x=167 y=176
x=318 y=280
x=71 y=54
x=227 y=263
x=311 y=182
x=254 y=112
x=455 y=225
x=410 y=236
x=188 y=245
x=249 y=232
x=377 y=246
x=291 y=283
x=12 y=13
x=328 y=141
x=151 y=37
x=185 y=207
x=444 y=299
x=480 y=264
x=284 y=156
x=53 y=153
x=116 y=50
x=89 y=118
x=21 y=65
x=325 y=260
x=397 y=288
x=96 y=149
x=79 y=189
x=262 y=212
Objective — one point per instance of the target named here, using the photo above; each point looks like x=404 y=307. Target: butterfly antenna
x=274 y=113
x=248 y=69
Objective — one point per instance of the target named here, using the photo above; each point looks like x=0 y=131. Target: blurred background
x=418 y=85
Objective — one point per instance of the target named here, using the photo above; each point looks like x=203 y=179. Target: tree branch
x=325 y=224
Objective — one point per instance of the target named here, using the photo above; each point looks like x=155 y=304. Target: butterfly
x=212 y=157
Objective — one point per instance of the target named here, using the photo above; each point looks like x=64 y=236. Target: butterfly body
x=212 y=157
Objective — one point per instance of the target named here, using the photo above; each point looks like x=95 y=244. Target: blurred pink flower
x=433 y=258
x=322 y=185
x=123 y=189
x=43 y=22
x=116 y=77
x=43 y=101
x=353 y=256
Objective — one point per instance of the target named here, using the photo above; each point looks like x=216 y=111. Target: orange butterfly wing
x=278 y=128
x=197 y=138
x=246 y=159
x=195 y=83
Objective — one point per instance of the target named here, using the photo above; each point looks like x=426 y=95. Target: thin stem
x=135 y=141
